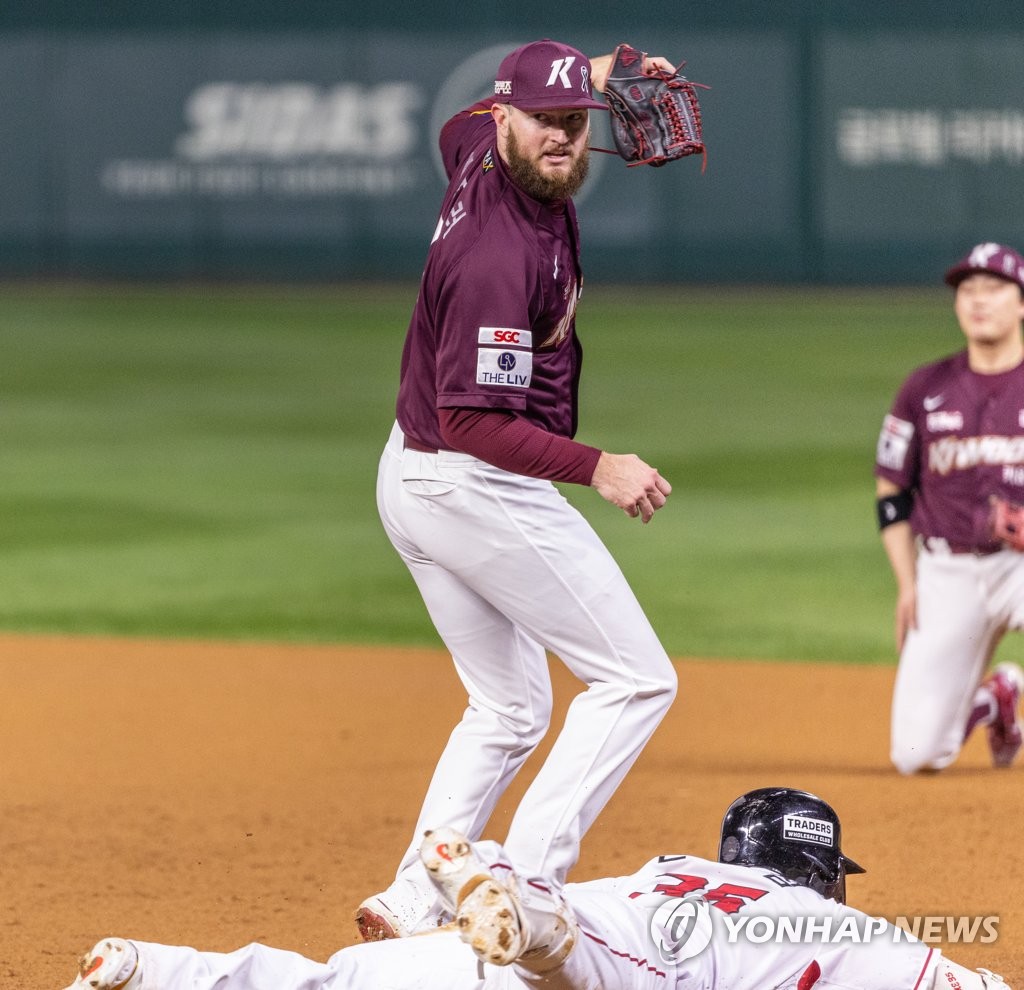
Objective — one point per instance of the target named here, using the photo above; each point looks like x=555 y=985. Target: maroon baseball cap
x=989 y=259
x=545 y=75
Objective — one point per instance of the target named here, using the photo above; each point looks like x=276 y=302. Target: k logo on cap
x=546 y=75
x=989 y=259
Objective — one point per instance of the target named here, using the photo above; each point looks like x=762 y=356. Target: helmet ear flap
x=829 y=881
x=729 y=850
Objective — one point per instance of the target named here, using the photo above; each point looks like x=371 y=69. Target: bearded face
x=547 y=153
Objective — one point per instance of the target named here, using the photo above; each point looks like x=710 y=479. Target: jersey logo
x=505 y=336
x=564 y=325
x=932 y=402
x=894 y=442
x=504 y=368
x=963 y=453
x=944 y=421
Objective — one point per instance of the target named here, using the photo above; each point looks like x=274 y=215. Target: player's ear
x=502 y=115
x=501 y=112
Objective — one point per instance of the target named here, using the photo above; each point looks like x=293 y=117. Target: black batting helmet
x=790 y=832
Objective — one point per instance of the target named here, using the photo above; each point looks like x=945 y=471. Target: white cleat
x=489 y=922
x=405 y=908
x=451 y=864
x=486 y=914
x=111 y=964
x=377 y=922
x=503 y=923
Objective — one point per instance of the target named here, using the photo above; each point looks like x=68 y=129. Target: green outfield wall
x=848 y=142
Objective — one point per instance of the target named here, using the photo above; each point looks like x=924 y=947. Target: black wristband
x=894 y=508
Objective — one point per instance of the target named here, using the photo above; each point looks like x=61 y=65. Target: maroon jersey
x=493 y=326
x=956 y=438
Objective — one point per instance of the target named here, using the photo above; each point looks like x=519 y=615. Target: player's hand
x=906 y=615
x=600 y=66
x=655 y=64
x=635 y=487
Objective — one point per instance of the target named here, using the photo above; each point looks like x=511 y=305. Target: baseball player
x=949 y=474
x=486 y=412
x=770 y=912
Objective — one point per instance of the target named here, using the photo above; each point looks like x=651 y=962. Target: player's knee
x=906 y=753
x=660 y=691
x=670 y=685
x=530 y=733
x=654 y=693
x=906 y=763
x=519 y=729
x=910 y=756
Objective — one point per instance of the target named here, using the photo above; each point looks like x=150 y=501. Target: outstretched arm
x=898 y=541
x=511 y=443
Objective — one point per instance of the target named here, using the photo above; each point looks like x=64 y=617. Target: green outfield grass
x=200 y=462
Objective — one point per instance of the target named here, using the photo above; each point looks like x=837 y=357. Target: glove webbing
x=682 y=129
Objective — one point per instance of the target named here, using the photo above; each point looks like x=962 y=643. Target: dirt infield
x=216 y=794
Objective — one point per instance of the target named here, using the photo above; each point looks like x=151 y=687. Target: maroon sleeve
x=460 y=131
x=898 y=456
x=513 y=444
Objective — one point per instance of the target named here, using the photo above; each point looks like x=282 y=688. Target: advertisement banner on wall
x=301 y=153
x=223 y=145
x=922 y=137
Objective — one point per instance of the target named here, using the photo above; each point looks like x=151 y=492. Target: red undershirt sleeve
x=513 y=444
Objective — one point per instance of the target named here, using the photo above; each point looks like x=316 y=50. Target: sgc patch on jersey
x=505 y=337
x=496 y=361
x=893 y=442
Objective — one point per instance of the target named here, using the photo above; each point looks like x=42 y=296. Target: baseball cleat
x=111 y=964
x=377 y=922
x=404 y=909
x=1004 y=733
x=486 y=915
x=488 y=921
x=450 y=863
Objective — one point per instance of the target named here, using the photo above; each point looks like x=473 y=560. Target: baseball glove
x=654 y=119
x=1008 y=522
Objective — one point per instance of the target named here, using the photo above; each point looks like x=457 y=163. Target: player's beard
x=533 y=182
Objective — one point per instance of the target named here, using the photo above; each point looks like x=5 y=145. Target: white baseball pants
x=508 y=570
x=435 y=961
x=613 y=948
x=965 y=604
x=426 y=962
